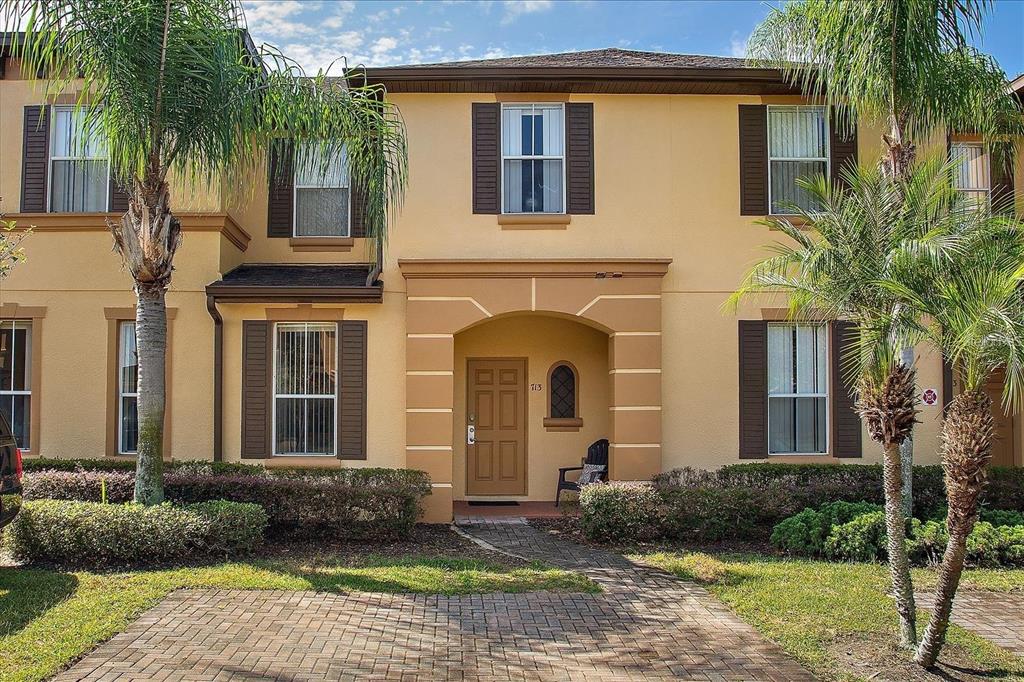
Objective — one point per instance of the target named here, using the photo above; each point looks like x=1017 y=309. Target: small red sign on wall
x=930 y=396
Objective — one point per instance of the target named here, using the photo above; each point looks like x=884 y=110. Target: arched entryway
x=620 y=299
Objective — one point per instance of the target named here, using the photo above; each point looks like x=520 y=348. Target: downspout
x=218 y=378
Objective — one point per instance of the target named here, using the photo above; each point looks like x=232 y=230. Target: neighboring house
x=572 y=227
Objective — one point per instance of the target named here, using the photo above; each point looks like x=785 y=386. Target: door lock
x=470 y=434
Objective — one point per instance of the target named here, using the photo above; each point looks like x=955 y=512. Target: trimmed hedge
x=613 y=512
x=101 y=535
x=33 y=464
x=341 y=503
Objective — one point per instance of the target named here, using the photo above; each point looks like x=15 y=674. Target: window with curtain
x=533 y=158
x=16 y=377
x=972 y=176
x=797 y=148
x=127 y=389
x=322 y=196
x=79 y=170
x=563 y=392
x=305 y=375
x=797 y=389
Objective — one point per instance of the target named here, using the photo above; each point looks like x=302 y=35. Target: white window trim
x=49 y=163
x=988 y=161
x=295 y=204
x=825 y=395
x=527 y=157
x=121 y=393
x=28 y=375
x=828 y=147
x=275 y=395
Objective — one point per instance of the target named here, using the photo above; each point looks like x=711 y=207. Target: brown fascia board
x=270 y=294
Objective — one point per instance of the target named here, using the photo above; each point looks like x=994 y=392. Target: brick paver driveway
x=644 y=625
x=995 y=616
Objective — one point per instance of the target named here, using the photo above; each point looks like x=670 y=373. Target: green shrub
x=861 y=539
x=806 y=533
x=124 y=464
x=620 y=512
x=1001 y=517
x=711 y=514
x=102 y=535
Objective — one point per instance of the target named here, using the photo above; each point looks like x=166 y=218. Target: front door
x=496 y=409
x=1002 y=448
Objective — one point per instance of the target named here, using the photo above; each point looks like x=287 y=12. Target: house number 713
x=536 y=387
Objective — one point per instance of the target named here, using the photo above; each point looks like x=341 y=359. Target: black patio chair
x=597 y=454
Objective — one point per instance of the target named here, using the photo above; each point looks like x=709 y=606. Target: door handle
x=470 y=434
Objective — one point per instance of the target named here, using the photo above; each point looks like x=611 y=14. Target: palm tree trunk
x=967 y=435
x=896 y=547
x=907 y=449
x=151 y=336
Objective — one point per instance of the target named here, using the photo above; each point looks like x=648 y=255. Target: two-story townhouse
x=572 y=227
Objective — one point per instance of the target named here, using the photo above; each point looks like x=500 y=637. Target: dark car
x=10 y=474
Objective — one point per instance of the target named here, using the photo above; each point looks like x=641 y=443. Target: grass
x=49 y=618
x=809 y=607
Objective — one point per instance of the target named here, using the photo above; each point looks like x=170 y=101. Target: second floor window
x=79 y=170
x=972 y=173
x=797 y=148
x=322 y=199
x=533 y=158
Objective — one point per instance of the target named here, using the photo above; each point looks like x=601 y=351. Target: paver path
x=996 y=616
x=644 y=625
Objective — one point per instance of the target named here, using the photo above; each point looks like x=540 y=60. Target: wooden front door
x=1003 y=447
x=496 y=408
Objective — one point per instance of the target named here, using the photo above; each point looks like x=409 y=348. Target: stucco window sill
x=534 y=221
x=312 y=462
x=308 y=244
x=552 y=424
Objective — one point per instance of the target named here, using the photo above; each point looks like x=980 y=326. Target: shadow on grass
x=27 y=593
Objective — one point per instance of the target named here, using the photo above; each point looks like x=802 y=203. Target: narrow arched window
x=562 y=394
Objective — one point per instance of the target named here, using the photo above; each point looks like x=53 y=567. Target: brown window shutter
x=257 y=365
x=358 y=215
x=753 y=389
x=352 y=390
x=1001 y=172
x=35 y=159
x=118 y=201
x=753 y=159
x=281 y=198
x=846 y=426
x=579 y=146
x=842 y=145
x=486 y=157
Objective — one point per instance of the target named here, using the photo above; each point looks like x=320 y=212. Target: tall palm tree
x=972 y=301
x=833 y=270
x=177 y=87
x=907 y=65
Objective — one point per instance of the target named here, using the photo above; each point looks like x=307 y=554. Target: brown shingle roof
x=610 y=57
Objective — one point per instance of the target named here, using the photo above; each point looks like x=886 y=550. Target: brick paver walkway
x=996 y=616
x=644 y=625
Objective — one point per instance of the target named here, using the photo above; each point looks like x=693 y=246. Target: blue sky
x=380 y=33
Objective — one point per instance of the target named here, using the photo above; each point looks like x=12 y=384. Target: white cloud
x=516 y=8
x=278 y=18
x=738 y=45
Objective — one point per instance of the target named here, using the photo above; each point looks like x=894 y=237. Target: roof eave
x=254 y=293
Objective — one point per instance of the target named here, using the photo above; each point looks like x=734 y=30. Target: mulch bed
x=880 y=659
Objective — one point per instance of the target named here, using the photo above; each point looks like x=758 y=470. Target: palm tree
x=176 y=87
x=907 y=65
x=972 y=303
x=833 y=270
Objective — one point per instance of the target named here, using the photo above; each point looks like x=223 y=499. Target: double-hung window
x=322 y=195
x=15 y=377
x=972 y=171
x=305 y=381
x=79 y=169
x=127 y=389
x=798 y=147
x=797 y=389
x=533 y=158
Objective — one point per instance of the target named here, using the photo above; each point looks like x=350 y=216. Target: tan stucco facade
x=632 y=296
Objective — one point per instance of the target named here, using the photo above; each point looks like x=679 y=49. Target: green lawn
x=48 y=618
x=811 y=608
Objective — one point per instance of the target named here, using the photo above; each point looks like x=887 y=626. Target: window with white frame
x=322 y=196
x=305 y=380
x=79 y=169
x=533 y=158
x=798 y=147
x=16 y=377
x=972 y=172
x=797 y=389
x=127 y=389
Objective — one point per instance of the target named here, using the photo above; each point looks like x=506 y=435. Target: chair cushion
x=592 y=473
